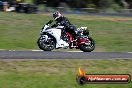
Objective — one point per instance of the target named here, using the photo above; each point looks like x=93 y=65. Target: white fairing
x=57 y=34
x=84 y=28
x=45 y=27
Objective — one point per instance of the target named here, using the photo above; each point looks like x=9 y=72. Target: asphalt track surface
x=17 y=54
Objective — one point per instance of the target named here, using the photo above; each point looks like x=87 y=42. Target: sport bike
x=56 y=37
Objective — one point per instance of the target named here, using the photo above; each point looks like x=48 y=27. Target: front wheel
x=46 y=44
x=88 y=47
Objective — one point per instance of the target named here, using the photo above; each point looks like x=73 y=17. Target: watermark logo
x=83 y=78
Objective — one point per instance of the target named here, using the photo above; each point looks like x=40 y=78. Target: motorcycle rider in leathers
x=63 y=21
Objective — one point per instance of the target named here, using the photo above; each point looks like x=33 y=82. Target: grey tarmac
x=26 y=54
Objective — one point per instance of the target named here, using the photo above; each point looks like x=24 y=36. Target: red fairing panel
x=69 y=36
x=82 y=40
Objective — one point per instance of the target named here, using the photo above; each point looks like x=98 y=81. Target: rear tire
x=88 y=48
x=46 y=45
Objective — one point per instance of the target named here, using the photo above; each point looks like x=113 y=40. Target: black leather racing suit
x=63 y=21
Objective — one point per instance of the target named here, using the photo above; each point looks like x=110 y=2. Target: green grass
x=21 y=31
x=58 y=73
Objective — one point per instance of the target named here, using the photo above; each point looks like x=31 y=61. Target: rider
x=63 y=21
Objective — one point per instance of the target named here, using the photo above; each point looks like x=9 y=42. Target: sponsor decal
x=83 y=78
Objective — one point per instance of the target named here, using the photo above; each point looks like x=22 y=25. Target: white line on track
x=37 y=50
x=12 y=50
x=74 y=51
x=62 y=51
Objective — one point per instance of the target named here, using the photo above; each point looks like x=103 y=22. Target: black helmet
x=56 y=15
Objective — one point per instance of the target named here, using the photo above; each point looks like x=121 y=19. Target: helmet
x=57 y=15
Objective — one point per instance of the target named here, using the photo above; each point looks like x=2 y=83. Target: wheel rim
x=47 y=44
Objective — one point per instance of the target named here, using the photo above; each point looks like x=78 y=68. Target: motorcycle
x=56 y=37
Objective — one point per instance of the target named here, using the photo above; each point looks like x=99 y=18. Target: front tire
x=88 y=47
x=46 y=45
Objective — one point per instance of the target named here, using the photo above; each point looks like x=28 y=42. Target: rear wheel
x=88 y=47
x=46 y=44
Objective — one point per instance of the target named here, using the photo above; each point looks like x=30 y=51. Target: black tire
x=46 y=45
x=38 y=43
x=88 y=48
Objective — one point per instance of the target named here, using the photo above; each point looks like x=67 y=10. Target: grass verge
x=58 y=73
